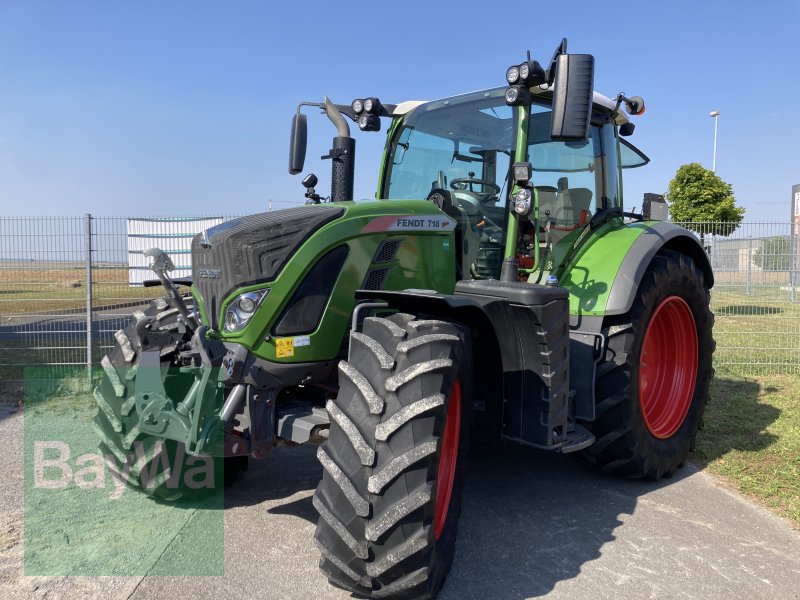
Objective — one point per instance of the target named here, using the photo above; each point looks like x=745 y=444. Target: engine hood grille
x=250 y=250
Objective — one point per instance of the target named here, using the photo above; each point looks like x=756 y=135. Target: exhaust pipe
x=342 y=155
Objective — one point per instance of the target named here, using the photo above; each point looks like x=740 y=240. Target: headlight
x=357 y=106
x=524 y=71
x=242 y=308
x=369 y=104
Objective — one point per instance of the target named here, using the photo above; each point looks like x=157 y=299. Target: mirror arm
x=550 y=75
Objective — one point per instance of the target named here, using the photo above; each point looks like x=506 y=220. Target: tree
x=773 y=254
x=703 y=201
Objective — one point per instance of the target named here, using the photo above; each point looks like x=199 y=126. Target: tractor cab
x=458 y=153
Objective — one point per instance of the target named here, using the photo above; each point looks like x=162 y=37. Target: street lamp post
x=715 y=115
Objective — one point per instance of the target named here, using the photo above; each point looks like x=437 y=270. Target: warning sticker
x=410 y=223
x=302 y=340
x=284 y=347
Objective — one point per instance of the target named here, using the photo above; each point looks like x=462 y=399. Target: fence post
x=749 y=265
x=88 y=235
x=793 y=266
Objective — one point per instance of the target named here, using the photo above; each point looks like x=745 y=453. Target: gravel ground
x=534 y=525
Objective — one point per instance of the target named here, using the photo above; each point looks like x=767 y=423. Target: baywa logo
x=55 y=469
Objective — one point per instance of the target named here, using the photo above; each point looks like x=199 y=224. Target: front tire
x=652 y=387
x=390 y=495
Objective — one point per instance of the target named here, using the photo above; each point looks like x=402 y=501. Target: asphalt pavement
x=534 y=525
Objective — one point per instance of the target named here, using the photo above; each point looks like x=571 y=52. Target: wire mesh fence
x=68 y=283
x=755 y=296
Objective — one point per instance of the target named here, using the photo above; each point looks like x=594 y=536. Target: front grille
x=250 y=250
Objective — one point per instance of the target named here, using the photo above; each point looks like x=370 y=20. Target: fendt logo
x=209 y=273
x=411 y=223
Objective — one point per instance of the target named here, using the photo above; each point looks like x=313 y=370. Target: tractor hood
x=250 y=250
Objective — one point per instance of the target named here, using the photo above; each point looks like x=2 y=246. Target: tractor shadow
x=530 y=519
x=736 y=418
x=286 y=472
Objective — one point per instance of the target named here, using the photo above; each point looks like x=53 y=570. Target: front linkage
x=171 y=397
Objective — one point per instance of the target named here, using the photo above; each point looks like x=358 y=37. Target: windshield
x=453 y=144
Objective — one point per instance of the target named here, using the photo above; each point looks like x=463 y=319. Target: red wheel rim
x=668 y=367
x=448 y=457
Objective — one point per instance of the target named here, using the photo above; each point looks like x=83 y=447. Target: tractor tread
x=411 y=373
x=409 y=581
x=405 y=414
x=124 y=343
x=397 y=465
x=414 y=544
x=374 y=402
x=360 y=505
x=392 y=515
x=360 y=445
x=384 y=359
x=424 y=340
x=329 y=556
x=112 y=417
x=357 y=548
x=113 y=376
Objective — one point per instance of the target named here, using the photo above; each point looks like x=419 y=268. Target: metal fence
x=65 y=288
x=755 y=296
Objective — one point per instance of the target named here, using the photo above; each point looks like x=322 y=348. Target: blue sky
x=139 y=108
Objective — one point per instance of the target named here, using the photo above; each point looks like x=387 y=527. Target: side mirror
x=573 y=88
x=298 y=143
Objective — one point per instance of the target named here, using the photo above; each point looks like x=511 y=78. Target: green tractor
x=495 y=290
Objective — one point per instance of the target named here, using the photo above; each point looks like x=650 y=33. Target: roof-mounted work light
x=367 y=122
x=517 y=95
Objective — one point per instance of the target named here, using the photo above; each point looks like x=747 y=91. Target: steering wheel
x=460 y=185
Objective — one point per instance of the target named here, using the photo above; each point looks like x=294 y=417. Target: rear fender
x=604 y=275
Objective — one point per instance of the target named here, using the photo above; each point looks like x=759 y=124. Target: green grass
x=54 y=289
x=751 y=439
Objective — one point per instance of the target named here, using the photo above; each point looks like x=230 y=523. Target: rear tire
x=390 y=495
x=651 y=388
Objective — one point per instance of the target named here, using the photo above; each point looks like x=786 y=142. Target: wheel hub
x=448 y=457
x=668 y=367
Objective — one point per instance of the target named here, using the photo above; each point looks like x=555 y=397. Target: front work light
x=523 y=171
x=369 y=123
x=242 y=308
x=517 y=95
x=522 y=201
x=512 y=75
x=531 y=73
x=357 y=106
